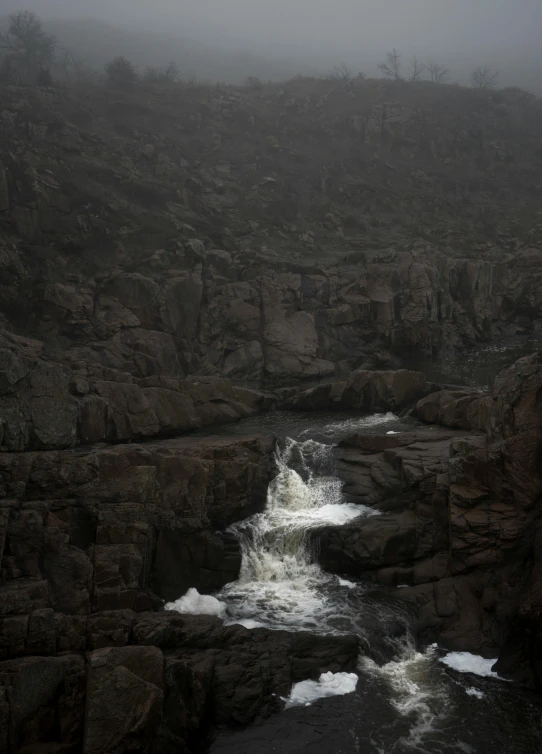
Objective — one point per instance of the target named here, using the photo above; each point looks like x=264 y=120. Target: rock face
x=216 y=247
x=155 y=682
x=364 y=391
x=460 y=524
x=89 y=540
x=108 y=528
x=45 y=405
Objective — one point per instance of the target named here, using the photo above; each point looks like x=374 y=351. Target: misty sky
x=331 y=23
x=354 y=30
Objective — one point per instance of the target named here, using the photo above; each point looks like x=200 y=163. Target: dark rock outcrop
x=90 y=541
x=107 y=528
x=46 y=405
x=155 y=684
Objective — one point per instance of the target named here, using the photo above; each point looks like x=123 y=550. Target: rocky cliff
x=293 y=232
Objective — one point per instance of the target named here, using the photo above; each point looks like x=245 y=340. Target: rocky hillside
x=267 y=235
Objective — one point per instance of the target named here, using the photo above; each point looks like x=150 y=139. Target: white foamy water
x=329 y=684
x=345 y=582
x=465 y=662
x=279 y=585
x=415 y=693
x=195 y=603
x=471 y=691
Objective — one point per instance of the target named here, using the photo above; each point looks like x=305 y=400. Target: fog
x=312 y=35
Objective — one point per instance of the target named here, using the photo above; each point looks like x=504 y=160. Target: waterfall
x=280 y=585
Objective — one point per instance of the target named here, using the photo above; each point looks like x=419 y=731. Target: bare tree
x=170 y=74
x=341 y=72
x=417 y=69
x=121 y=72
x=438 y=74
x=391 y=67
x=68 y=62
x=483 y=77
x=75 y=67
x=27 y=51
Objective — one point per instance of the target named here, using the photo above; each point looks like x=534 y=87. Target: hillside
x=271 y=234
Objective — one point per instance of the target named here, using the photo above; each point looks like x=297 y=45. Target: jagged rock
x=43 y=407
x=450 y=408
x=162 y=679
x=45 y=698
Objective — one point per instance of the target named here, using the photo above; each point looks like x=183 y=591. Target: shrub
x=121 y=72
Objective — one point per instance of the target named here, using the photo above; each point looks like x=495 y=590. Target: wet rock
x=450 y=408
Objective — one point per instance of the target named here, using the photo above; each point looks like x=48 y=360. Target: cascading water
x=279 y=585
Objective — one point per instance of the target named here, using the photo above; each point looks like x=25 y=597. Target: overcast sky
x=329 y=22
x=353 y=29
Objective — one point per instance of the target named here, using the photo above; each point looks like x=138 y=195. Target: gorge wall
x=176 y=258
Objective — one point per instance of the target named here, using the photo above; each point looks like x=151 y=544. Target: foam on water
x=414 y=693
x=195 y=603
x=471 y=691
x=465 y=662
x=345 y=582
x=329 y=684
